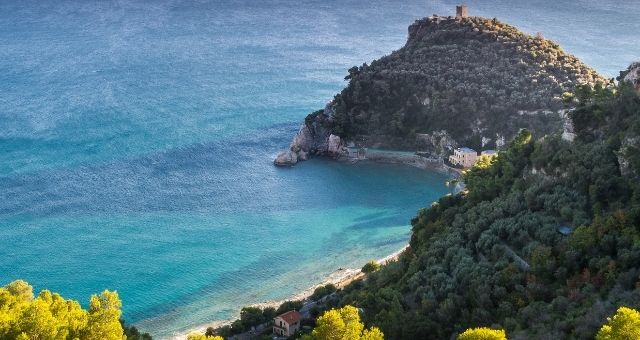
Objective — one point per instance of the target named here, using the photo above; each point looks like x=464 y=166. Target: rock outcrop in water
x=457 y=81
x=313 y=138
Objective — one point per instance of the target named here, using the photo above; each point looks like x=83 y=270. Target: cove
x=191 y=235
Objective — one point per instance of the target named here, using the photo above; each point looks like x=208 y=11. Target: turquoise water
x=136 y=140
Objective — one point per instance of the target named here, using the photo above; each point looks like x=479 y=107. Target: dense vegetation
x=50 y=316
x=469 y=77
x=544 y=244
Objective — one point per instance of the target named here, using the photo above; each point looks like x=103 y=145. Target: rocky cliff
x=314 y=137
x=457 y=81
x=633 y=75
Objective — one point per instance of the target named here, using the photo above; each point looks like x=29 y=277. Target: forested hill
x=545 y=244
x=471 y=77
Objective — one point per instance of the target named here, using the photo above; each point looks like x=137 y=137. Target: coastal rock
x=414 y=100
x=334 y=145
x=286 y=158
x=313 y=138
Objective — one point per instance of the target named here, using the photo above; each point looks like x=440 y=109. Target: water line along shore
x=340 y=278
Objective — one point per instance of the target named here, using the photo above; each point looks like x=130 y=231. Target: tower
x=462 y=11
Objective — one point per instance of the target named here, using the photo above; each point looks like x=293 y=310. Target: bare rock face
x=437 y=143
x=334 y=145
x=629 y=143
x=286 y=158
x=313 y=138
x=568 y=130
x=633 y=75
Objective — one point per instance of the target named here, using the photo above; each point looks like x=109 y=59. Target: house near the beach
x=287 y=324
x=464 y=157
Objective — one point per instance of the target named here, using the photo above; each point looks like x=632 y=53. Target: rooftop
x=466 y=149
x=290 y=317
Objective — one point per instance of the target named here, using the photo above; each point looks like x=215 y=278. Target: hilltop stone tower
x=462 y=11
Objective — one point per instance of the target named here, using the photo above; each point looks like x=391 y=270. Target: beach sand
x=340 y=278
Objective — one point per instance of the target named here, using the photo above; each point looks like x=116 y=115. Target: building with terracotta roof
x=286 y=324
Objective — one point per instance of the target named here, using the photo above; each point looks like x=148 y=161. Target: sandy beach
x=340 y=278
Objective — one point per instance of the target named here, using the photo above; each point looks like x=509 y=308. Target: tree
x=104 y=317
x=251 y=316
x=371 y=267
x=625 y=324
x=198 y=336
x=323 y=291
x=50 y=316
x=344 y=323
x=483 y=333
x=133 y=333
x=289 y=305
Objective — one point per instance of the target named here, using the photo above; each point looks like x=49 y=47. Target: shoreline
x=343 y=276
x=340 y=278
x=404 y=158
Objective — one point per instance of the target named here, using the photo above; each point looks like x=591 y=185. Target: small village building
x=287 y=324
x=464 y=157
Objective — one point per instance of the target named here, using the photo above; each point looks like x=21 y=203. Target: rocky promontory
x=314 y=137
x=465 y=81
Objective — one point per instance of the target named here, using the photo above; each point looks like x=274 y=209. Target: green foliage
x=323 y=291
x=289 y=305
x=494 y=255
x=132 y=333
x=483 y=333
x=50 y=316
x=625 y=324
x=371 y=267
x=343 y=324
x=104 y=317
x=198 y=336
x=452 y=74
x=254 y=316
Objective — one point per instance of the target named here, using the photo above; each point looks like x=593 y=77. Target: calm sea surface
x=136 y=140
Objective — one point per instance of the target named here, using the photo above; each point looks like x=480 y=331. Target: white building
x=464 y=157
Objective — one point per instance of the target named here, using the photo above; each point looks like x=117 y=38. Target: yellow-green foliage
x=625 y=324
x=50 y=316
x=483 y=333
x=371 y=267
x=343 y=324
x=198 y=336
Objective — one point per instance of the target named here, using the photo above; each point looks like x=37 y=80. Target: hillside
x=544 y=244
x=467 y=81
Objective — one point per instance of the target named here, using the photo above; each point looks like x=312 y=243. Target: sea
x=137 y=139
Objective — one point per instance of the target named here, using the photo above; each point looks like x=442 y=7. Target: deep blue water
x=136 y=140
